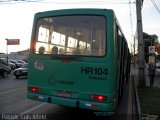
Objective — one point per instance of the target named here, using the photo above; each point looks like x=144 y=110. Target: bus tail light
x=34 y=89
x=66 y=60
x=99 y=97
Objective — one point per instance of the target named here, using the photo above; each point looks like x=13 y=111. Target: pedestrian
x=151 y=73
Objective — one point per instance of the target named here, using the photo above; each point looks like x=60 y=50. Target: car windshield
x=83 y=35
x=21 y=61
x=24 y=66
x=2 y=65
x=13 y=61
x=3 y=60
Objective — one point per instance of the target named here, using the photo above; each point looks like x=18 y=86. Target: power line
x=131 y=16
x=155 y=5
x=87 y=1
x=60 y=2
x=133 y=40
x=17 y=1
x=90 y=2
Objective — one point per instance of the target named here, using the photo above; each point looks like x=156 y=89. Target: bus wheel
x=119 y=95
x=17 y=77
x=119 y=98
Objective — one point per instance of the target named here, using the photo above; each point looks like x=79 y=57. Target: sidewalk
x=134 y=72
x=150 y=96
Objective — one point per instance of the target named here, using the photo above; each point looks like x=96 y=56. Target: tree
x=149 y=40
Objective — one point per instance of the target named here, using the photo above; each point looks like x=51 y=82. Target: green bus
x=78 y=58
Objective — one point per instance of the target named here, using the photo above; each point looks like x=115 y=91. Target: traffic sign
x=13 y=41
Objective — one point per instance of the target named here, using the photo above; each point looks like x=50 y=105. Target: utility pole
x=141 y=65
x=134 y=47
x=7 y=49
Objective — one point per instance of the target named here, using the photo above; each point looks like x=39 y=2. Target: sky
x=16 y=17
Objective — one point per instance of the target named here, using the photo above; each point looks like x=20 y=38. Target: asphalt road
x=13 y=102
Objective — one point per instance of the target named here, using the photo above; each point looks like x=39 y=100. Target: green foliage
x=150 y=40
x=149 y=100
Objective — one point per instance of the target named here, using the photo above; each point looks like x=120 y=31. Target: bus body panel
x=79 y=77
x=75 y=82
x=77 y=103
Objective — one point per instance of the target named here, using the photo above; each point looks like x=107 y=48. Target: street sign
x=13 y=41
x=151 y=49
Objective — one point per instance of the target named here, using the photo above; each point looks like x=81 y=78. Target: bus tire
x=17 y=77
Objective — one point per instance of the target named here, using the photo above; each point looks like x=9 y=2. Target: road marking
x=11 y=90
x=34 y=108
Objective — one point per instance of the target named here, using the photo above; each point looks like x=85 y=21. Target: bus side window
x=61 y=51
x=41 y=50
x=55 y=50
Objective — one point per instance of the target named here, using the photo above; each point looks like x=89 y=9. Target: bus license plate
x=64 y=94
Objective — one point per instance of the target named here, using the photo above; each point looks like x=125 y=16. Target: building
x=19 y=55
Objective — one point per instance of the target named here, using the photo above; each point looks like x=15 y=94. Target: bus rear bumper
x=97 y=106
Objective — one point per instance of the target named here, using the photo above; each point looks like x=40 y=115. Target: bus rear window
x=83 y=35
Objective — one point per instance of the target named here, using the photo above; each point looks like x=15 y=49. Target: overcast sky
x=16 y=17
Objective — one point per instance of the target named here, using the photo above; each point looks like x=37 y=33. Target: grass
x=149 y=98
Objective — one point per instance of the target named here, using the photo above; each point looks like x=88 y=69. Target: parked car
x=4 y=70
x=4 y=61
x=22 y=71
x=21 y=61
x=16 y=63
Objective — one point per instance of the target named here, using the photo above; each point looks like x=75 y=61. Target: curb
x=137 y=101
